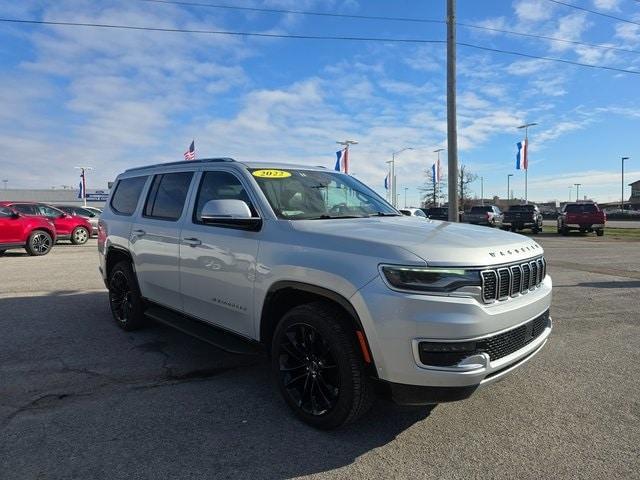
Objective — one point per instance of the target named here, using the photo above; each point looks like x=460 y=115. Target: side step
x=218 y=337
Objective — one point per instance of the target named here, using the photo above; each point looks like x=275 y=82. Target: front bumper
x=396 y=322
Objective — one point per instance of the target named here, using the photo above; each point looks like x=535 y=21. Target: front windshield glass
x=311 y=195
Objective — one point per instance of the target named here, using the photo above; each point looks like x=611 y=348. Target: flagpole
x=83 y=175
x=526 y=157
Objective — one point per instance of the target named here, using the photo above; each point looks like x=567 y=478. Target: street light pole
x=509 y=188
x=577 y=190
x=393 y=174
x=436 y=181
x=83 y=175
x=452 y=126
x=482 y=190
x=570 y=191
x=622 y=189
x=526 y=154
x=405 y=196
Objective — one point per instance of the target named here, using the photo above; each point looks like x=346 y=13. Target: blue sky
x=114 y=99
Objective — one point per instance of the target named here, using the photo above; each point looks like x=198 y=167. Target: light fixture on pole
x=508 y=188
x=577 y=185
x=393 y=174
x=83 y=183
x=526 y=149
x=622 y=190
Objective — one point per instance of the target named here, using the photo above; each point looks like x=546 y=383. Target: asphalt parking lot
x=79 y=398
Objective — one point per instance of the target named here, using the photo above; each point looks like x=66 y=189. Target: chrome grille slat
x=511 y=280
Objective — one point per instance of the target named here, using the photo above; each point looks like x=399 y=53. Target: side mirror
x=229 y=213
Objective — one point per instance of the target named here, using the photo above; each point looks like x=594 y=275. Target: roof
x=632 y=184
x=202 y=161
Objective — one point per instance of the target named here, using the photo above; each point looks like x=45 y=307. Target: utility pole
x=452 y=127
x=526 y=156
x=622 y=190
x=83 y=189
x=509 y=188
x=577 y=190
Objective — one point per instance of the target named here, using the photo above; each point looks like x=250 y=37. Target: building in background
x=95 y=197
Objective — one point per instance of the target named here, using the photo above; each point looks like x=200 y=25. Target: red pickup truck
x=582 y=216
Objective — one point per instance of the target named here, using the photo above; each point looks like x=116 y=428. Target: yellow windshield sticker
x=271 y=174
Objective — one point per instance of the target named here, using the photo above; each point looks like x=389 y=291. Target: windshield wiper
x=333 y=217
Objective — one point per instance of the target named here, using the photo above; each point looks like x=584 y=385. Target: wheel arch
x=115 y=255
x=282 y=296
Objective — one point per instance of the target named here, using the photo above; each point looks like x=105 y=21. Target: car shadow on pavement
x=80 y=395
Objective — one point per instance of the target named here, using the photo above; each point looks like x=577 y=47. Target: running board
x=216 y=336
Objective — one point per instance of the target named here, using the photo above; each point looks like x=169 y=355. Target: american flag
x=191 y=153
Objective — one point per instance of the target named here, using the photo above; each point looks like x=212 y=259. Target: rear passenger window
x=220 y=186
x=167 y=195
x=125 y=198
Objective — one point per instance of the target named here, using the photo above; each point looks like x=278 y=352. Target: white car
x=347 y=295
x=413 y=212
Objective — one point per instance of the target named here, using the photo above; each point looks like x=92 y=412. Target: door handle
x=139 y=233
x=192 y=242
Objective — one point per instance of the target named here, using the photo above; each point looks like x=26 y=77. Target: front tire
x=127 y=306
x=79 y=236
x=318 y=367
x=599 y=232
x=39 y=243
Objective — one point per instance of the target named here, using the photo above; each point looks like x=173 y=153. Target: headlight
x=431 y=279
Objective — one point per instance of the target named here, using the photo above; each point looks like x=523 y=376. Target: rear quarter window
x=126 y=195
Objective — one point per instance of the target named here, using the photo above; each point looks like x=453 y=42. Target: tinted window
x=47 y=211
x=220 y=186
x=167 y=195
x=5 y=212
x=581 y=208
x=125 y=198
x=481 y=209
x=522 y=208
x=25 y=208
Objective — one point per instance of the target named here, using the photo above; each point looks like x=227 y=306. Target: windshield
x=309 y=194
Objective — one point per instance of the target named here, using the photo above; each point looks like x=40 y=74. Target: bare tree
x=465 y=177
x=432 y=194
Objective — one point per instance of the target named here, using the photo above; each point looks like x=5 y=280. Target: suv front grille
x=511 y=280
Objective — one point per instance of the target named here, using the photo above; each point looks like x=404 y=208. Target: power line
x=387 y=18
x=312 y=37
x=594 y=12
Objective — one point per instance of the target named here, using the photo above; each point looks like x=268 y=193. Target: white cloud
x=607 y=4
x=532 y=10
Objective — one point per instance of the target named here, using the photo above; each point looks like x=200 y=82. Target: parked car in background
x=33 y=233
x=413 y=212
x=68 y=227
x=519 y=217
x=437 y=213
x=582 y=216
x=489 y=215
x=348 y=296
x=83 y=212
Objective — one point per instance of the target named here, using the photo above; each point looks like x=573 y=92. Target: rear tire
x=79 y=236
x=39 y=243
x=127 y=306
x=564 y=231
x=318 y=366
x=599 y=233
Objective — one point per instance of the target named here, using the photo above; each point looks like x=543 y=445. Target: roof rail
x=183 y=162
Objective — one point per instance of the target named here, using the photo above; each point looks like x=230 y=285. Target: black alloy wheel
x=124 y=298
x=308 y=370
x=39 y=243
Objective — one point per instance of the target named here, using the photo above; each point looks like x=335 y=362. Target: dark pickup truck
x=585 y=217
x=519 y=217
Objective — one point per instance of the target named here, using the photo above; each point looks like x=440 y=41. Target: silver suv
x=348 y=297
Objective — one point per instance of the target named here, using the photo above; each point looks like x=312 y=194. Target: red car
x=68 y=227
x=35 y=234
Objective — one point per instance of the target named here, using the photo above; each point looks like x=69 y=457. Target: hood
x=436 y=242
